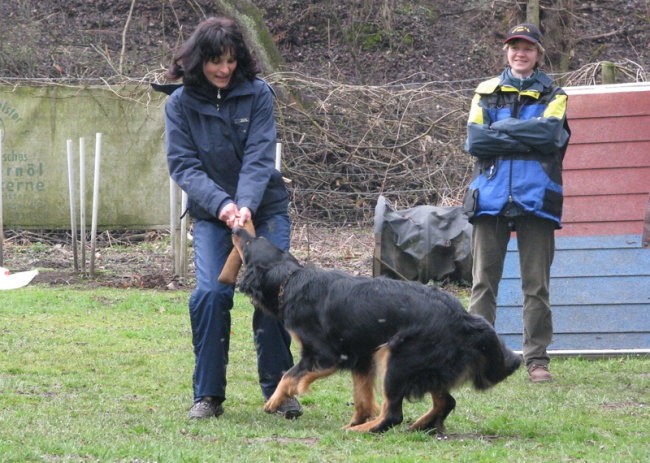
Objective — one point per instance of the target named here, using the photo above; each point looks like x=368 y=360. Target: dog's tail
x=404 y=337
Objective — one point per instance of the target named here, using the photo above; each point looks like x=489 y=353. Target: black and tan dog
x=420 y=337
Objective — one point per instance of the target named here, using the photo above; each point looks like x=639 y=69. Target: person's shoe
x=207 y=407
x=539 y=373
x=290 y=409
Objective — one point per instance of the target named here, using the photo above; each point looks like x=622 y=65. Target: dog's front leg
x=390 y=415
x=365 y=405
x=295 y=381
x=287 y=387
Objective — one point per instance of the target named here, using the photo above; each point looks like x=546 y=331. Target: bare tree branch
x=120 y=67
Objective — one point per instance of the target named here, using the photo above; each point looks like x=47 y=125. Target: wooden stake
x=93 y=231
x=73 y=214
x=82 y=201
x=2 y=224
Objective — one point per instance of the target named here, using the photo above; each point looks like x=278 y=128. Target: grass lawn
x=105 y=375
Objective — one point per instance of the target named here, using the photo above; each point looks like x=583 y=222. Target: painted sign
x=37 y=122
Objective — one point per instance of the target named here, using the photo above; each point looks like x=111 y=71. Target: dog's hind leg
x=443 y=404
x=365 y=406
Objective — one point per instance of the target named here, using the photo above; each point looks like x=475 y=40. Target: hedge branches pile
x=344 y=145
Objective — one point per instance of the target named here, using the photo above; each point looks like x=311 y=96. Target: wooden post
x=178 y=228
x=73 y=214
x=2 y=224
x=608 y=72
x=82 y=201
x=278 y=157
x=182 y=263
x=173 y=232
x=93 y=226
x=532 y=12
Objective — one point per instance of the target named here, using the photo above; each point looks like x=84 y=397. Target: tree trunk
x=532 y=12
x=556 y=18
x=251 y=20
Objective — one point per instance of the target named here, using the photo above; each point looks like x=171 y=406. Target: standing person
x=518 y=134
x=220 y=139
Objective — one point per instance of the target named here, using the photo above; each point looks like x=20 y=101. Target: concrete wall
x=37 y=121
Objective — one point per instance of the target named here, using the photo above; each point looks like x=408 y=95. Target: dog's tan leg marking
x=287 y=387
x=428 y=420
x=290 y=386
x=365 y=406
x=368 y=425
x=306 y=380
x=379 y=368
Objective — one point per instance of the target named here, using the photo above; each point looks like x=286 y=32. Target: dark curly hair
x=211 y=39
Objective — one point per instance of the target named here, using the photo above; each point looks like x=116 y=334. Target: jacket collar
x=536 y=83
x=206 y=101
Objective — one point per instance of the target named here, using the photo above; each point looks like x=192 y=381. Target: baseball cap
x=525 y=31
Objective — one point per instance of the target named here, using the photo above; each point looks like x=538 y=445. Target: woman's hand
x=233 y=216
x=229 y=214
x=244 y=216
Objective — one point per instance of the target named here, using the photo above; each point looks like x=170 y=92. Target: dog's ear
x=494 y=361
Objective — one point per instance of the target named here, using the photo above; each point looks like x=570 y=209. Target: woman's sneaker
x=207 y=407
x=290 y=409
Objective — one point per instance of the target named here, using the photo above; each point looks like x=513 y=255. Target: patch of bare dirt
x=122 y=259
x=137 y=259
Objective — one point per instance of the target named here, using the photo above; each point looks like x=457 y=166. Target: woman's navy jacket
x=221 y=151
x=519 y=138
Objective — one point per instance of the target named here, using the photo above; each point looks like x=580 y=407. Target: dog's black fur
x=420 y=336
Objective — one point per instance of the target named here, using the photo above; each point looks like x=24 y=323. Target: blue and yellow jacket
x=518 y=137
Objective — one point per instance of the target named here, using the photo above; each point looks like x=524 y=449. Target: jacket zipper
x=515 y=113
x=510 y=198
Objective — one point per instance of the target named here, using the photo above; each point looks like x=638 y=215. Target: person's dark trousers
x=272 y=341
x=536 y=244
x=210 y=304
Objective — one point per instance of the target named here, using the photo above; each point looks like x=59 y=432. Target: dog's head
x=494 y=361
x=266 y=270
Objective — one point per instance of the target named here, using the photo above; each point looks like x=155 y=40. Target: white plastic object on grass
x=17 y=280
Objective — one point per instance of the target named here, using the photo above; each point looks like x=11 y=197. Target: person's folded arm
x=185 y=167
x=544 y=134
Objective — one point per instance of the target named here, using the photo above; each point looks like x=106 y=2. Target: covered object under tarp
x=423 y=243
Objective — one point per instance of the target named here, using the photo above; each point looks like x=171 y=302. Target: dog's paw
x=352 y=424
x=273 y=403
x=357 y=421
x=363 y=415
x=270 y=408
x=363 y=427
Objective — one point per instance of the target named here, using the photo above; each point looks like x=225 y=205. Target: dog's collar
x=281 y=288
